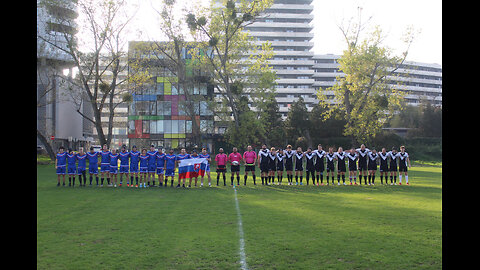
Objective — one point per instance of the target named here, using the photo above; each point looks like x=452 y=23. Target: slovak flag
x=193 y=167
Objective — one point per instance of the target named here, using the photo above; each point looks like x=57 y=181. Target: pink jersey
x=235 y=157
x=221 y=159
x=250 y=157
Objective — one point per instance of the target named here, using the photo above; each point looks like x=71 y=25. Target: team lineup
x=141 y=167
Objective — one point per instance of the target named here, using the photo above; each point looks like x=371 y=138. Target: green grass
x=285 y=227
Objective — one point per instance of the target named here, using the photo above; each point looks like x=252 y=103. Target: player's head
x=152 y=147
x=194 y=153
x=289 y=147
x=80 y=149
x=374 y=151
x=309 y=149
x=394 y=149
x=234 y=149
x=171 y=151
x=280 y=150
x=91 y=149
x=70 y=150
x=124 y=148
x=134 y=148
x=402 y=148
x=340 y=149
x=144 y=151
x=114 y=151
x=183 y=151
x=61 y=149
x=204 y=150
x=362 y=146
x=220 y=150
x=272 y=149
x=384 y=150
x=299 y=149
x=264 y=146
x=249 y=147
x=319 y=147
x=105 y=147
x=330 y=149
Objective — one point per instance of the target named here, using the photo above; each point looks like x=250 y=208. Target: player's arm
x=56 y=160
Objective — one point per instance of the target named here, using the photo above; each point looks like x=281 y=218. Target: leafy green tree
x=297 y=124
x=364 y=95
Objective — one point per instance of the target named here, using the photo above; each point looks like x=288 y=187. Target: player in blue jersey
x=134 y=159
x=143 y=167
x=104 y=164
x=160 y=160
x=204 y=154
x=114 y=166
x=152 y=164
x=183 y=155
x=170 y=162
x=61 y=164
x=92 y=157
x=72 y=166
x=82 y=166
x=124 y=157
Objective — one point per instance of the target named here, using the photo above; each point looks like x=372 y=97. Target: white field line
x=243 y=261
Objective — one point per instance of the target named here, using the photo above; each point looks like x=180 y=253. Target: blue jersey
x=114 y=160
x=204 y=156
x=105 y=157
x=160 y=160
x=143 y=161
x=182 y=157
x=152 y=156
x=124 y=156
x=170 y=161
x=134 y=158
x=62 y=159
x=93 y=159
x=82 y=161
x=72 y=160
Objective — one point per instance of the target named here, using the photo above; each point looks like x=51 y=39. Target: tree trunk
x=47 y=145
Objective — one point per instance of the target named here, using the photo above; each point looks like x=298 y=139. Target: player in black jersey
x=403 y=161
x=362 y=163
x=263 y=161
x=298 y=165
x=372 y=166
x=330 y=164
x=383 y=157
x=310 y=166
x=272 y=166
x=289 y=163
x=319 y=163
x=393 y=166
x=352 y=165
x=280 y=165
x=341 y=158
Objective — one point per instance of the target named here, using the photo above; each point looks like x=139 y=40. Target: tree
x=364 y=95
x=297 y=123
x=97 y=53
x=222 y=36
x=270 y=118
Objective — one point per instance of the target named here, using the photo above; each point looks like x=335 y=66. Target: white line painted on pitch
x=243 y=260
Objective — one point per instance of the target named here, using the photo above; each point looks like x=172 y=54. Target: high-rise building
x=287 y=26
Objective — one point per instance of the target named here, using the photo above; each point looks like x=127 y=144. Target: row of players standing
x=317 y=160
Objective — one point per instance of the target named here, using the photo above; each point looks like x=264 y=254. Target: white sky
x=392 y=16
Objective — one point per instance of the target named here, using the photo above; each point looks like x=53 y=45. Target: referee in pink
x=234 y=158
x=221 y=160
x=249 y=158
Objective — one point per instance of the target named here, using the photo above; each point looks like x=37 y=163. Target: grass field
x=285 y=227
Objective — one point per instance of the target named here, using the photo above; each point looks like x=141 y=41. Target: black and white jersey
x=310 y=158
x=352 y=161
x=362 y=155
x=280 y=161
x=393 y=158
x=272 y=158
x=298 y=160
x=403 y=158
x=289 y=156
x=319 y=160
x=264 y=156
x=372 y=161
x=341 y=158
x=330 y=162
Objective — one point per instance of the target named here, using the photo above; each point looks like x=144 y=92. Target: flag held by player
x=194 y=167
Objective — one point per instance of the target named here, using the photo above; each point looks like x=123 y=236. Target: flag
x=194 y=167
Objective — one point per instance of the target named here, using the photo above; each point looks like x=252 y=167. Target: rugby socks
x=296 y=178
x=373 y=179
x=245 y=180
x=224 y=180
x=231 y=180
x=381 y=179
x=218 y=178
x=400 y=178
x=406 y=178
x=254 y=180
x=343 y=178
x=365 y=178
x=238 y=179
x=91 y=178
x=369 y=179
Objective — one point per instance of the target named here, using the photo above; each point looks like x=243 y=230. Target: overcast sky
x=392 y=16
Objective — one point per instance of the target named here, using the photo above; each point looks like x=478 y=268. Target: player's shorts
x=311 y=168
x=221 y=168
x=341 y=167
x=123 y=169
x=264 y=167
x=383 y=167
x=80 y=170
x=250 y=167
x=319 y=166
x=143 y=169
x=169 y=172
x=93 y=169
x=280 y=166
x=352 y=166
x=402 y=168
x=104 y=167
x=72 y=170
x=330 y=167
x=114 y=169
x=133 y=169
x=160 y=171
x=61 y=169
x=288 y=166
x=235 y=168
x=393 y=167
x=152 y=169
x=298 y=167
x=207 y=169
x=362 y=165
x=272 y=166
x=372 y=166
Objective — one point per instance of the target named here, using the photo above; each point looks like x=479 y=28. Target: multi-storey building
x=287 y=26
x=158 y=113
x=419 y=81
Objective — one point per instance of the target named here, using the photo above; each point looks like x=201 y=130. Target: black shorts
x=320 y=166
x=288 y=166
x=352 y=166
x=372 y=166
x=221 y=168
x=264 y=167
x=272 y=166
x=298 y=167
x=362 y=165
x=393 y=167
x=402 y=168
x=341 y=167
x=250 y=167
x=383 y=167
x=235 y=168
x=330 y=167
x=280 y=166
